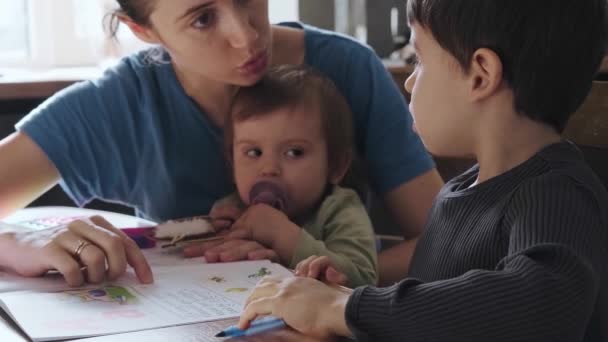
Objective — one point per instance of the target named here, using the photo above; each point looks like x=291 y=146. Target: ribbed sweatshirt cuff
x=369 y=305
x=352 y=313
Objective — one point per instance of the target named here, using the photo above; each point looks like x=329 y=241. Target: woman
x=147 y=134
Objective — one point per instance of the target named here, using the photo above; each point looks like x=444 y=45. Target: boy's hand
x=268 y=226
x=321 y=267
x=298 y=302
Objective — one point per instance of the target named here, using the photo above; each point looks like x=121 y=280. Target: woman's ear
x=485 y=73
x=339 y=170
x=145 y=34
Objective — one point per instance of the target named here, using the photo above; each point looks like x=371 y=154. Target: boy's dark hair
x=297 y=87
x=550 y=49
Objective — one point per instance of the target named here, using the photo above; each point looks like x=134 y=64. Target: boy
x=289 y=139
x=515 y=248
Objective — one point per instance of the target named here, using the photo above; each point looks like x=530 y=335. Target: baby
x=290 y=142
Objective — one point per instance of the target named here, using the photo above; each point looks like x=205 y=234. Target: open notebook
x=184 y=292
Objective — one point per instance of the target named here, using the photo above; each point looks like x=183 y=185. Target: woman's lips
x=255 y=65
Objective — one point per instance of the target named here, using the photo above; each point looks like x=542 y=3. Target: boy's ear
x=339 y=171
x=145 y=34
x=486 y=73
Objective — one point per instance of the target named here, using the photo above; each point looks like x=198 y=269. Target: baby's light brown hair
x=297 y=87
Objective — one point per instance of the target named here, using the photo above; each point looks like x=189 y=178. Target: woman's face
x=222 y=40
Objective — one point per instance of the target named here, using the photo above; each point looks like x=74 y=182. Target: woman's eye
x=294 y=153
x=253 y=153
x=204 y=20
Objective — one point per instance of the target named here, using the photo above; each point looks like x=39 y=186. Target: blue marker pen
x=258 y=326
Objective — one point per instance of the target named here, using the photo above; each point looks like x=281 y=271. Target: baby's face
x=287 y=148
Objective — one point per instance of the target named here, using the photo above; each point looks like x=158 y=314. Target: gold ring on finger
x=82 y=244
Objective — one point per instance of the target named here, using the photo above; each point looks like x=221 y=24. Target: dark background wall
x=318 y=13
x=325 y=14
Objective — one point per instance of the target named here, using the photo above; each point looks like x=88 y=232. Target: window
x=283 y=10
x=63 y=33
x=13 y=31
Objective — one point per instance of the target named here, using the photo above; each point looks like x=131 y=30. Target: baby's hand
x=269 y=227
x=261 y=223
x=320 y=267
x=224 y=213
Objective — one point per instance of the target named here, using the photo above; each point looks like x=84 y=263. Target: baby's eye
x=204 y=20
x=253 y=152
x=294 y=152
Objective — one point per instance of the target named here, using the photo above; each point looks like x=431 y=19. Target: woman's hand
x=104 y=250
x=321 y=267
x=305 y=304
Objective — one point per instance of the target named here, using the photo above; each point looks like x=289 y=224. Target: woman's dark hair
x=137 y=10
x=550 y=49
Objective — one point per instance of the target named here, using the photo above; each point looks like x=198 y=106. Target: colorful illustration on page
x=108 y=294
x=262 y=272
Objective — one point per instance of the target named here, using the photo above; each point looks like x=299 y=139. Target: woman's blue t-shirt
x=133 y=136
